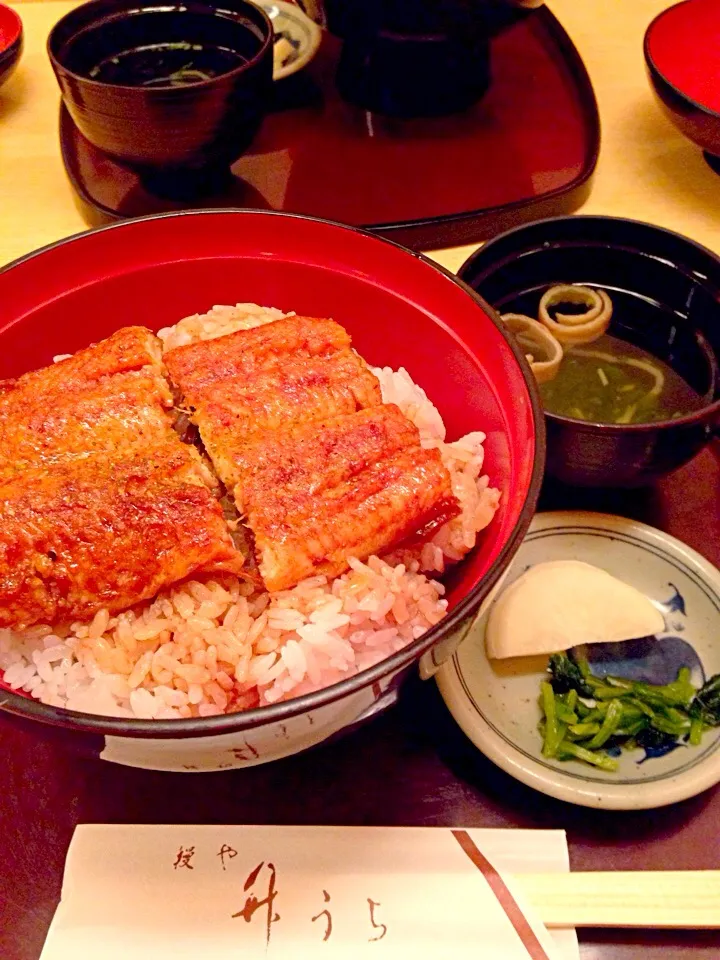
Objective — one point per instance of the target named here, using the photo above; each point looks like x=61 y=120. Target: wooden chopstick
x=687 y=899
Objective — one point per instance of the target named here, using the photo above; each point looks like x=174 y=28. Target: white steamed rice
x=219 y=645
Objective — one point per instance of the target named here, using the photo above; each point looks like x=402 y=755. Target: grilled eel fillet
x=293 y=370
x=86 y=534
x=108 y=397
x=101 y=504
x=294 y=424
x=317 y=493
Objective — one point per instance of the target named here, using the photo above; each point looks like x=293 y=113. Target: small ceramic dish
x=11 y=41
x=496 y=702
x=297 y=37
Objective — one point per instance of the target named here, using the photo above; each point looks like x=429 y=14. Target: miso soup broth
x=613 y=381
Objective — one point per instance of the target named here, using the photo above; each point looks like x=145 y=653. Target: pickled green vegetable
x=584 y=715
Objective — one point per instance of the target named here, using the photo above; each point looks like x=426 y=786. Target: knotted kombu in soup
x=586 y=373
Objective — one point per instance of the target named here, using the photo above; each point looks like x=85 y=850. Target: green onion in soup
x=616 y=382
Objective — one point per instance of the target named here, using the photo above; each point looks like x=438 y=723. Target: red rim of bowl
x=653 y=64
x=597 y=425
x=58 y=65
x=24 y=706
x=9 y=18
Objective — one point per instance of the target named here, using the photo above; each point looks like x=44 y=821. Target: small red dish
x=682 y=54
x=11 y=41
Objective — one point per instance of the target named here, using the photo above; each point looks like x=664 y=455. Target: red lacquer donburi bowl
x=401 y=310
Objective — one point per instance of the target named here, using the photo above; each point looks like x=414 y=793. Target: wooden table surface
x=412 y=766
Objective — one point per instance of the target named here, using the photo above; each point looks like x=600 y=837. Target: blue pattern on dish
x=655 y=660
x=676 y=602
x=651 y=753
x=650 y=659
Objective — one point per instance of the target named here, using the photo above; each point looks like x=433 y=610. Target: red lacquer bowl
x=682 y=54
x=11 y=41
x=401 y=309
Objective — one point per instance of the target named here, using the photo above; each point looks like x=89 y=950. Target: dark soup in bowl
x=174 y=46
x=166 y=65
